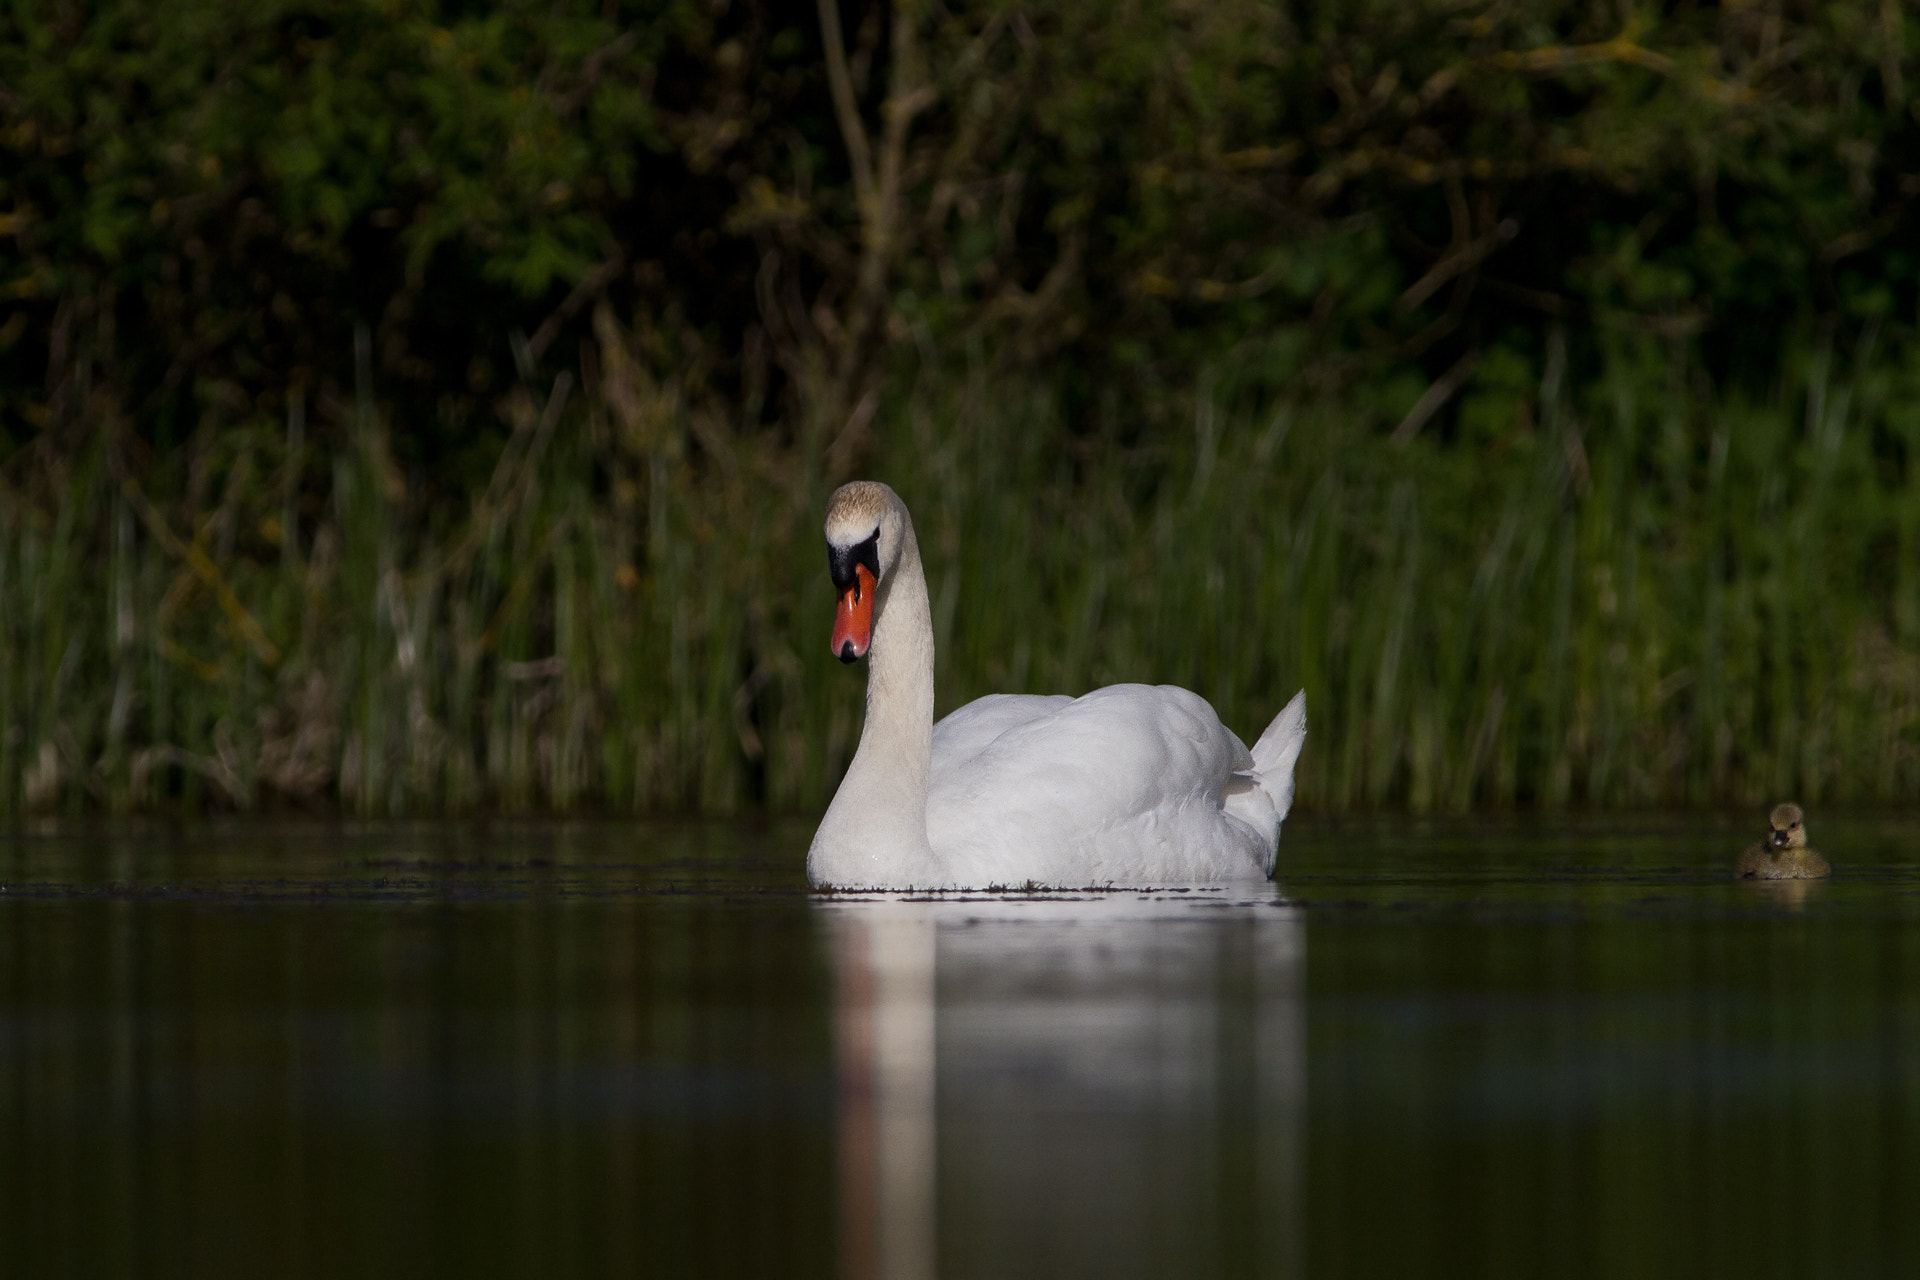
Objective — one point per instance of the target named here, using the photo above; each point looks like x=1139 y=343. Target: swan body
x=1130 y=786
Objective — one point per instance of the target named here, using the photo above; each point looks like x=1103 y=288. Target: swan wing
x=967 y=731
x=1124 y=786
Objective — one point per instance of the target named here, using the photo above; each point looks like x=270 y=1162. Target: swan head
x=865 y=520
x=1786 y=827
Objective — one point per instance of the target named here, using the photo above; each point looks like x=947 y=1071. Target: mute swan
x=1131 y=786
x=1784 y=854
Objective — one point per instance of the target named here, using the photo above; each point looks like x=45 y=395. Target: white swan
x=1131 y=786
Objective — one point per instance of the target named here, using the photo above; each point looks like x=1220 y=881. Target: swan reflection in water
x=1112 y=1084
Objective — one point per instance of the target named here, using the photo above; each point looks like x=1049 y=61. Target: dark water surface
x=590 y=1049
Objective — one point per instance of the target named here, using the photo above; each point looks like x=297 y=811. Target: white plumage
x=1132 y=786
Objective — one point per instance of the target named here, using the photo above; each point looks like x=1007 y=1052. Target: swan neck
x=874 y=833
x=900 y=668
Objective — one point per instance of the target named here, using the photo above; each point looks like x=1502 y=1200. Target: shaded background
x=426 y=408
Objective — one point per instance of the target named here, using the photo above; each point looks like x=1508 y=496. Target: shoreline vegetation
x=1543 y=397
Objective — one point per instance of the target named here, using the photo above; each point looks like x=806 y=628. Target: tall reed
x=1637 y=591
x=1647 y=594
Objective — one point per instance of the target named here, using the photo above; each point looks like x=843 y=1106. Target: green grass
x=1647 y=595
x=1633 y=591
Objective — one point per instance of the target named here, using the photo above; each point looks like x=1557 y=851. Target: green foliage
x=215 y=193
x=1530 y=620
x=1614 y=594
x=1527 y=385
x=507 y=133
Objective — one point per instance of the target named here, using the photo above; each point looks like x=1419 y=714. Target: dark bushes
x=1427 y=285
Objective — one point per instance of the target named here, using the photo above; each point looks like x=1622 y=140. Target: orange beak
x=853 y=617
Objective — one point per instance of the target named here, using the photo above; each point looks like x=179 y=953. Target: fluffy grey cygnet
x=1784 y=854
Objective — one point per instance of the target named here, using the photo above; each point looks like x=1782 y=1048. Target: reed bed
x=1632 y=591
x=1647 y=596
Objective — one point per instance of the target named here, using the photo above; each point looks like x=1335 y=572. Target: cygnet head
x=1785 y=829
x=865 y=522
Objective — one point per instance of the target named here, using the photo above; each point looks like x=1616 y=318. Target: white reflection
x=1109 y=1083
x=884 y=1043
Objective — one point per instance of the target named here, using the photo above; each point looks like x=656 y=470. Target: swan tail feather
x=1277 y=751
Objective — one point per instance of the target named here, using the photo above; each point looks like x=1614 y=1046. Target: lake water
x=1525 y=1049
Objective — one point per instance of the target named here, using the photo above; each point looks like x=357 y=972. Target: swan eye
x=842 y=561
